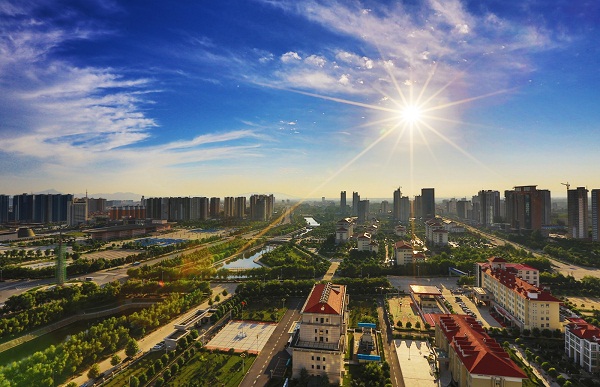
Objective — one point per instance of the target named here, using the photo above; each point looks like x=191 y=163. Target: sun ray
x=426 y=84
x=465 y=100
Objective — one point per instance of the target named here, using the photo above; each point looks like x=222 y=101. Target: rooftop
x=326 y=299
x=425 y=290
x=509 y=279
x=580 y=328
x=480 y=353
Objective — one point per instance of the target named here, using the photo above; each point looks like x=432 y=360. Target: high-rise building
x=401 y=210
x=228 y=207
x=61 y=264
x=527 y=207
x=215 y=207
x=261 y=207
x=240 y=207
x=417 y=207
x=355 y=200
x=463 y=208
x=363 y=211
x=4 y=206
x=96 y=205
x=77 y=211
x=343 y=202
x=595 y=215
x=385 y=207
x=428 y=204
x=489 y=207
x=577 y=204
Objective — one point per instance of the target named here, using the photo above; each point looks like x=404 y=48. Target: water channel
x=247 y=260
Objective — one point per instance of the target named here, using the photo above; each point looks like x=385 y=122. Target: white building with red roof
x=521 y=303
x=366 y=242
x=582 y=344
x=403 y=252
x=474 y=358
x=320 y=343
x=344 y=230
x=525 y=272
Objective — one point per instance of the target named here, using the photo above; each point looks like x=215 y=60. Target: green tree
x=133 y=382
x=94 y=371
x=115 y=359
x=131 y=348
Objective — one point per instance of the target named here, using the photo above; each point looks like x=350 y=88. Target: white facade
x=581 y=345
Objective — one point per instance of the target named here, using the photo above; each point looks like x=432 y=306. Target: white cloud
x=290 y=56
x=316 y=60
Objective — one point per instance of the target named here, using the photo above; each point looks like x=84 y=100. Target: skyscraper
x=261 y=207
x=215 y=207
x=595 y=215
x=428 y=204
x=363 y=211
x=401 y=209
x=417 y=207
x=240 y=207
x=4 y=200
x=577 y=207
x=355 y=200
x=343 y=202
x=228 y=207
x=527 y=207
x=489 y=207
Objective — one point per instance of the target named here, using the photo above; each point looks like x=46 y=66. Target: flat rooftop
x=425 y=290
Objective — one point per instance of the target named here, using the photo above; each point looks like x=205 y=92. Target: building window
x=315 y=339
x=326 y=320
x=323 y=358
x=321 y=338
x=318 y=358
x=323 y=368
x=312 y=358
x=312 y=366
x=315 y=331
x=327 y=331
x=318 y=367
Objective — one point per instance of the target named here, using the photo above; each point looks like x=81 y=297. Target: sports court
x=242 y=336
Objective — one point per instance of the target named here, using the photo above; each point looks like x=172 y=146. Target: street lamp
x=243 y=356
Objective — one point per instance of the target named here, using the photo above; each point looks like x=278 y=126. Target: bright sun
x=411 y=114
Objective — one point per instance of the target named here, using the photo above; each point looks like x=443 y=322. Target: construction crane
x=566 y=184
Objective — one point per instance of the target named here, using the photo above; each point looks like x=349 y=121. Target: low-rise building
x=403 y=251
x=344 y=230
x=320 y=343
x=473 y=357
x=582 y=344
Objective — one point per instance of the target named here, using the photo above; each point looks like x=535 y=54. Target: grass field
x=268 y=309
x=362 y=311
x=212 y=369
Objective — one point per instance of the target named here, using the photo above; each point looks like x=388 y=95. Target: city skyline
x=305 y=99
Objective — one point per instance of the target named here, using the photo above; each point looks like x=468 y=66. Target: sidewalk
x=158 y=335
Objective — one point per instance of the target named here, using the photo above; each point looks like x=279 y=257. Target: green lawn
x=362 y=311
x=267 y=309
x=212 y=369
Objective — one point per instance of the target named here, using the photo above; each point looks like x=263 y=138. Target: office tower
x=363 y=211
x=4 y=205
x=343 y=202
x=355 y=200
x=417 y=207
x=489 y=207
x=215 y=207
x=595 y=215
x=240 y=207
x=526 y=207
x=228 y=207
x=23 y=208
x=577 y=204
x=77 y=211
x=428 y=203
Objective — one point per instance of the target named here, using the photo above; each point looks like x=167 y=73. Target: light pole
x=243 y=356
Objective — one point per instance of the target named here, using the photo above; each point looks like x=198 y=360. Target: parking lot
x=461 y=304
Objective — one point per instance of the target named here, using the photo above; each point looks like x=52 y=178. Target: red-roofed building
x=320 y=343
x=365 y=242
x=344 y=230
x=525 y=272
x=521 y=303
x=474 y=358
x=582 y=344
x=404 y=253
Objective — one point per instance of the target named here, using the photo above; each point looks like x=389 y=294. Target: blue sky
x=305 y=98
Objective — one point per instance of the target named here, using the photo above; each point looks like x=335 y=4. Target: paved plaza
x=413 y=358
x=242 y=336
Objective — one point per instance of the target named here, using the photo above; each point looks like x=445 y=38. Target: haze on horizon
x=304 y=98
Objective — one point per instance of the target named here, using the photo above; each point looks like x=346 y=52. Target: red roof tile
x=403 y=245
x=477 y=351
x=522 y=287
x=325 y=299
x=580 y=328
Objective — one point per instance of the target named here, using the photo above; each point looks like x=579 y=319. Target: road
x=578 y=272
x=274 y=350
x=388 y=347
